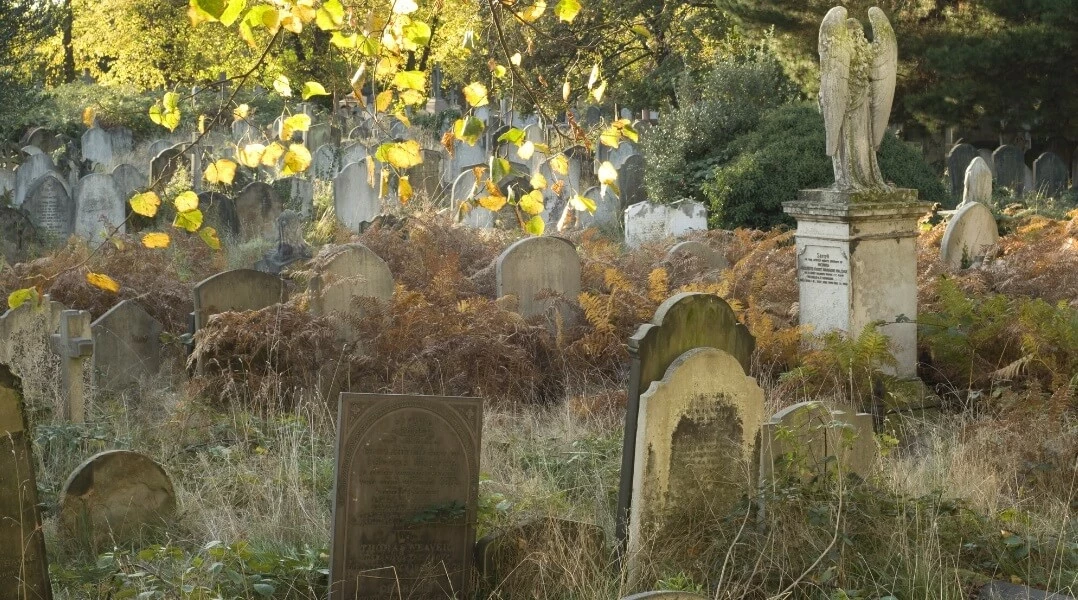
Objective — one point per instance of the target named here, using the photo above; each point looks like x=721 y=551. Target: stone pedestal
x=857 y=264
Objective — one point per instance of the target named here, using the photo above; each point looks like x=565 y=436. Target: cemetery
x=324 y=299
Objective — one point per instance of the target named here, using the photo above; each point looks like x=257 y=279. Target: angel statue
x=857 y=88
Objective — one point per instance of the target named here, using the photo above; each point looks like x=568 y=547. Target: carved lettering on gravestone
x=406 y=493
x=24 y=572
x=50 y=206
x=823 y=265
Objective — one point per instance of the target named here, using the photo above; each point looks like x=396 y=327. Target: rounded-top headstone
x=114 y=495
x=1050 y=174
x=537 y=265
x=971 y=232
x=706 y=257
x=977 y=185
x=958 y=160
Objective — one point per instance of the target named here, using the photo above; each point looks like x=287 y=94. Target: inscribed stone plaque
x=50 y=206
x=127 y=346
x=236 y=290
x=685 y=321
x=695 y=447
x=113 y=496
x=536 y=267
x=24 y=571
x=971 y=232
x=406 y=495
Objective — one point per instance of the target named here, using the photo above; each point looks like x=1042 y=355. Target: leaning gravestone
x=113 y=496
x=257 y=209
x=684 y=322
x=127 y=346
x=1050 y=175
x=236 y=290
x=807 y=440
x=971 y=232
x=24 y=569
x=406 y=496
x=50 y=206
x=97 y=146
x=1010 y=168
x=18 y=236
x=695 y=448
x=355 y=195
x=958 y=160
x=538 y=266
x=129 y=180
x=977 y=186
x=100 y=208
x=164 y=165
x=29 y=172
x=349 y=272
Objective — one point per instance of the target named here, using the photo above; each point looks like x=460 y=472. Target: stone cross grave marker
x=74 y=343
x=257 y=209
x=1010 y=168
x=351 y=271
x=958 y=160
x=695 y=447
x=127 y=346
x=406 y=496
x=681 y=323
x=970 y=233
x=806 y=440
x=1050 y=174
x=24 y=569
x=113 y=496
x=537 y=266
x=50 y=206
x=355 y=195
x=977 y=186
x=100 y=209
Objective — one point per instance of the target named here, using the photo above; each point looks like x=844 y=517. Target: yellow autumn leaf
x=209 y=236
x=607 y=174
x=583 y=203
x=88 y=116
x=282 y=85
x=240 y=112
x=296 y=160
x=560 y=164
x=156 y=240
x=103 y=281
x=382 y=100
x=401 y=155
x=186 y=201
x=538 y=181
x=291 y=22
x=145 y=204
x=19 y=297
x=221 y=171
x=532 y=202
x=189 y=221
x=535 y=226
x=599 y=90
x=272 y=154
x=404 y=190
x=250 y=155
x=492 y=203
x=476 y=94
x=533 y=12
x=291 y=125
x=566 y=10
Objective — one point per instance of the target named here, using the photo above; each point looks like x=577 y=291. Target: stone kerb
x=535 y=266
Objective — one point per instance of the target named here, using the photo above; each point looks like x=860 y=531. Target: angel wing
x=883 y=74
x=835 y=54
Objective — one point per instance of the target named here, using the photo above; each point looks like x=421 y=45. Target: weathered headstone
x=113 y=496
x=1050 y=175
x=157 y=147
x=97 y=146
x=695 y=447
x=29 y=172
x=977 y=186
x=236 y=290
x=696 y=254
x=426 y=178
x=243 y=132
x=290 y=246
x=971 y=232
x=631 y=180
x=324 y=165
x=322 y=134
x=18 y=236
x=536 y=271
x=353 y=153
x=122 y=141
x=1010 y=168
x=127 y=346
x=804 y=441
x=257 y=209
x=50 y=206
x=219 y=212
x=164 y=165
x=42 y=137
x=297 y=194
x=348 y=272
x=128 y=180
x=648 y=222
x=74 y=343
x=681 y=323
x=406 y=497
x=355 y=195
x=100 y=209
x=958 y=160
x=24 y=569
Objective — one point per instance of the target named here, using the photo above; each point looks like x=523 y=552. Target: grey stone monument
x=958 y=160
x=127 y=346
x=1050 y=174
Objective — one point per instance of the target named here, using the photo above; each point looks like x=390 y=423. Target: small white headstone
x=648 y=222
x=971 y=232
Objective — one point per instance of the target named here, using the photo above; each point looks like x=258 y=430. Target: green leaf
x=171 y=101
x=513 y=136
x=19 y=297
x=313 y=88
x=232 y=12
x=566 y=10
x=416 y=33
x=209 y=236
x=499 y=168
x=330 y=16
x=630 y=133
x=188 y=221
x=213 y=8
x=468 y=130
x=263 y=589
x=410 y=80
x=535 y=225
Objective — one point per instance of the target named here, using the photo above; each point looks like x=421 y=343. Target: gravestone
x=127 y=346
x=355 y=195
x=164 y=165
x=290 y=247
x=74 y=342
x=97 y=146
x=7 y=185
x=695 y=255
x=113 y=496
x=541 y=554
x=297 y=194
x=353 y=153
x=648 y=222
x=536 y=267
x=348 y=272
x=322 y=134
x=324 y=162
x=406 y=495
x=631 y=181
x=24 y=569
x=128 y=180
x=971 y=232
x=1050 y=175
x=804 y=441
x=157 y=147
x=257 y=209
x=958 y=160
x=44 y=138
x=1010 y=168
x=426 y=178
x=122 y=141
x=618 y=156
x=977 y=186
x=464 y=157
x=29 y=172
x=681 y=323
x=100 y=208
x=243 y=132
x=986 y=155
x=50 y=206
x=464 y=187
x=696 y=447
x=18 y=236
x=219 y=212
x=236 y=290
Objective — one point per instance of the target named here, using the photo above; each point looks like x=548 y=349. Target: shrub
x=785 y=153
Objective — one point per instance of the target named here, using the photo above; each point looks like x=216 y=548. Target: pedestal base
x=857 y=264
